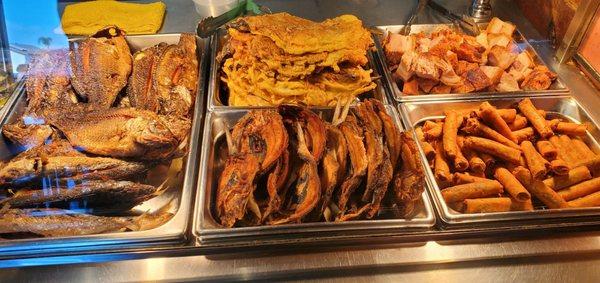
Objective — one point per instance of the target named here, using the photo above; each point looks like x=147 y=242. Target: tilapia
x=235 y=188
x=27 y=136
x=59 y=162
x=312 y=126
x=58 y=222
x=111 y=194
x=333 y=166
x=275 y=182
x=164 y=78
x=390 y=130
x=100 y=66
x=409 y=181
x=358 y=160
x=116 y=132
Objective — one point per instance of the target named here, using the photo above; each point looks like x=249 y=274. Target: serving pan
x=217 y=94
x=209 y=232
x=176 y=200
x=566 y=107
x=557 y=87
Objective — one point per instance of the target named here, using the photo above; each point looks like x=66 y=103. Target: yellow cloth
x=88 y=17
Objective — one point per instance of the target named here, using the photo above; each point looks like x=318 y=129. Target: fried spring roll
x=473 y=126
x=490 y=115
x=427 y=147
x=562 y=151
x=582 y=147
x=471 y=190
x=542 y=113
x=520 y=122
x=552 y=123
x=521 y=173
x=587 y=201
x=582 y=189
x=511 y=185
x=591 y=163
x=524 y=134
x=463 y=178
x=484 y=205
x=440 y=165
x=538 y=166
x=574 y=176
x=521 y=205
x=571 y=129
x=476 y=164
x=489 y=160
x=547 y=150
x=533 y=116
x=432 y=130
x=493 y=148
x=570 y=149
x=508 y=115
x=559 y=167
x=546 y=195
x=450 y=131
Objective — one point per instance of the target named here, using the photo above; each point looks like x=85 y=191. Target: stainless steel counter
x=514 y=256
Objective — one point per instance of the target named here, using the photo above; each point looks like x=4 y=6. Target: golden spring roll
x=472 y=190
x=490 y=115
x=474 y=127
x=582 y=189
x=521 y=173
x=546 y=195
x=571 y=129
x=520 y=122
x=464 y=178
x=524 y=134
x=542 y=113
x=547 y=150
x=483 y=205
x=449 y=133
x=533 y=116
x=427 y=147
x=493 y=148
x=574 y=176
x=521 y=205
x=489 y=160
x=562 y=151
x=433 y=131
x=440 y=166
x=591 y=163
x=570 y=149
x=552 y=123
x=587 y=201
x=538 y=166
x=582 y=147
x=559 y=167
x=511 y=185
x=476 y=164
x=508 y=115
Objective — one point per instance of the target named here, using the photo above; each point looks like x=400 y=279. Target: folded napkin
x=88 y=17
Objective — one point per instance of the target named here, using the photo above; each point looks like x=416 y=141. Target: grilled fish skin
x=116 y=132
x=58 y=222
x=121 y=195
x=101 y=65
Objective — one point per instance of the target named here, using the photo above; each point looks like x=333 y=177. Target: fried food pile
x=496 y=160
x=83 y=143
x=447 y=61
x=289 y=166
x=279 y=58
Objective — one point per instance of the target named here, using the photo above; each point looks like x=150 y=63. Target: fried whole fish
x=100 y=66
x=235 y=187
x=59 y=161
x=408 y=181
x=111 y=194
x=27 y=136
x=116 y=132
x=358 y=160
x=333 y=166
x=312 y=126
x=164 y=78
x=275 y=182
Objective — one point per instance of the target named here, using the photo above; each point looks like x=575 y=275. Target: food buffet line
x=501 y=174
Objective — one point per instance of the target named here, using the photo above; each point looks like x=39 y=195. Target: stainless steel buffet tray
x=210 y=232
x=557 y=87
x=416 y=113
x=174 y=230
x=216 y=91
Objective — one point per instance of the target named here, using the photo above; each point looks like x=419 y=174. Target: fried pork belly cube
x=424 y=66
x=499 y=39
x=482 y=39
x=410 y=87
x=463 y=66
x=448 y=75
x=523 y=61
x=441 y=88
x=501 y=57
x=423 y=44
x=493 y=73
x=396 y=45
x=498 y=26
x=478 y=78
x=451 y=58
x=404 y=70
x=507 y=83
x=470 y=52
x=540 y=78
x=465 y=87
x=426 y=84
